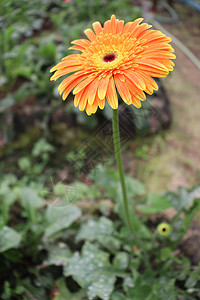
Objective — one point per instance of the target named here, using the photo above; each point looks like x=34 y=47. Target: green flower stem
x=116 y=138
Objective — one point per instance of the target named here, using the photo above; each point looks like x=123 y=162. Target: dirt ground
x=174 y=159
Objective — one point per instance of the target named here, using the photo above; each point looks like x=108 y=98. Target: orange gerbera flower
x=119 y=56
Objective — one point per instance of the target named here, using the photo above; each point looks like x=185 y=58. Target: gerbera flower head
x=116 y=56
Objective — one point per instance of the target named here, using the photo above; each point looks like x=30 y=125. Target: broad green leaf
x=58 y=255
x=92 y=271
x=164 y=288
x=30 y=199
x=59 y=218
x=101 y=231
x=128 y=282
x=140 y=292
x=9 y=238
x=155 y=204
x=149 y=288
x=93 y=230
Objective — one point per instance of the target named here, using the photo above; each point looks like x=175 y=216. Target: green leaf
x=139 y=292
x=194 y=278
x=93 y=230
x=128 y=282
x=83 y=191
x=118 y=296
x=101 y=231
x=59 y=189
x=92 y=271
x=106 y=178
x=142 y=287
x=121 y=260
x=24 y=71
x=24 y=163
x=148 y=288
x=134 y=187
x=59 y=218
x=155 y=204
x=30 y=199
x=58 y=255
x=164 y=288
x=165 y=253
x=62 y=292
x=8 y=179
x=9 y=238
x=42 y=146
x=184 y=199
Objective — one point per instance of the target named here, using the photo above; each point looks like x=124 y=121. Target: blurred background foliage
x=34 y=36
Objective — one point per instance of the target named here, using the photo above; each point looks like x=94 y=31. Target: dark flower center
x=109 y=57
x=164 y=229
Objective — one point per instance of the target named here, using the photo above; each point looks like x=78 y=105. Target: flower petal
x=82 y=85
x=113 y=24
x=67 y=81
x=119 y=27
x=123 y=90
x=136 y=102
x=82 y=42
x=90 y=34
x=65 y=71
x=111 y=94
x=107 y=27
x=77 y=98
x=135 y=79
x=97 y=27
x=69 y=87
x=93 y=91
x=101 y=103
x=103 y=87
x=83 y=99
